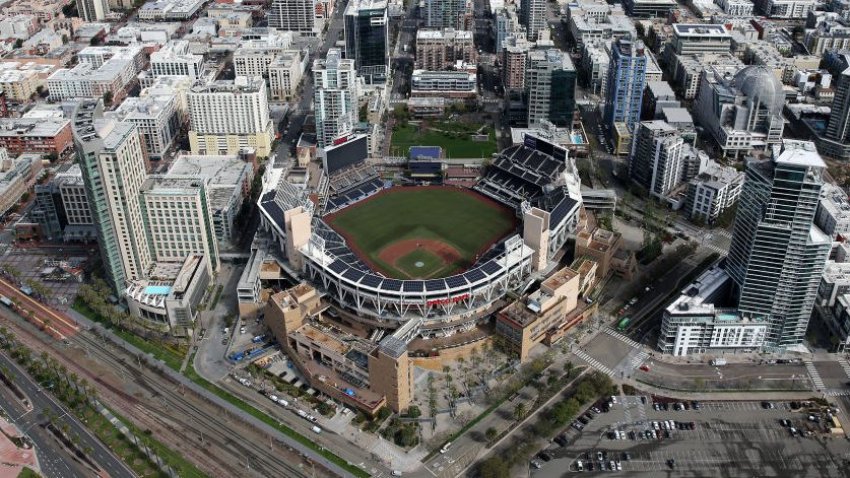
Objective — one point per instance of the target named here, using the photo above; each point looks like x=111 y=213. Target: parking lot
x=639 y=438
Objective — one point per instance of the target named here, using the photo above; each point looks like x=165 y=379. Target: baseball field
x=423 y=232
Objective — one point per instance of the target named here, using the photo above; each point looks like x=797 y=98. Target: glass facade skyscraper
x=367 y=39
x=777 y=255
x=626 y=81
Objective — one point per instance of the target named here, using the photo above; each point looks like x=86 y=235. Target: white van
x=317 y=429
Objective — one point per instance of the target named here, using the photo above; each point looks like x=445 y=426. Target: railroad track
x=203 y=436
x=199 y=425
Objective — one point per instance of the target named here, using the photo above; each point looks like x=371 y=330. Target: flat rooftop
x=220 y=169
x=46 y=127
x=559 y=278
x=800 y=153
x=700 y=30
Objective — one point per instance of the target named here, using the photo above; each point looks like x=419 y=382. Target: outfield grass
x=447 y=214
x=456 y=144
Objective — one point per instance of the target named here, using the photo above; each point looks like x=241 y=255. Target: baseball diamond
x=423 y=232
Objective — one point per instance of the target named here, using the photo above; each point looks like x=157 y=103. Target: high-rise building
x=367 y=38
x=92 y=10
x=228 y=116
x=441 y=49
x=514 y=60
x=157 y=119
x=176 y=211
x=777 y=254
x=626 y=81
x=447 y=14
x=551 y=81
x=835 y=141
x=657 y=161
x=113 y=165
x=532 y=14
x=335 y=98
x=295 y=16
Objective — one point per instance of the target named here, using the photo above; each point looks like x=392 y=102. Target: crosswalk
x=636 y=357
x=845 y=365
x=813 y=374
x=622 y=337
x=593 y=362
x=714 y=248
x=837 y=392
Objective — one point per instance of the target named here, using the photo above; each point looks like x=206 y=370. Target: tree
x=490 y=434
x=413 y=411
x=107 y=98
x=406 y=436
x=519 y=411
x=494 y=467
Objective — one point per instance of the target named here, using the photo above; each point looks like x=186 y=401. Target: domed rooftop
x=760 y=84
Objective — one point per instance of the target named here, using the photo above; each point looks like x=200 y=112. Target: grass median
x=171 y=358
x=130 y=454
x=268 y=420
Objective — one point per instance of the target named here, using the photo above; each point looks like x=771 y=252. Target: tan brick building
x=441 y=49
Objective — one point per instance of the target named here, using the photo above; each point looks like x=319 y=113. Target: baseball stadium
x=425 y=260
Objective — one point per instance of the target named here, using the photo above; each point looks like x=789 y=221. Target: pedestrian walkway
x=593 y=362
x=813 y=373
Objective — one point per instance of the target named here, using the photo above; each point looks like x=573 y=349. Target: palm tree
x=520 y=411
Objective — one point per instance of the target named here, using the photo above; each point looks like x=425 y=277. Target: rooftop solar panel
x=456 y=281
x=370 y=280
x=474 y=275
x=337 y=266
x=391 y=284
x=353 y=274
x=414 y=286
x=435 y=284
x=490 y=267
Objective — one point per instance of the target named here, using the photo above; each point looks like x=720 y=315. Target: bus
x=623 y=324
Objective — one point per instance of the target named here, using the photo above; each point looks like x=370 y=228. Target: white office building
x=92 y=10
x=285 y=74
x=657 y=159
x=335 y=98
x=169 y=10
x=307 y=17
x=712 y=192
x=787 y=9
x=693 y=324
x=227 y=182
x=177 y=218
x=736 y=8
x=833 y=214
x=157 y=119
x=228 y=116
x=254 y=56
x=176 y=59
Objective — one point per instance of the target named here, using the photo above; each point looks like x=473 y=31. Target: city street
x=54 y=459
